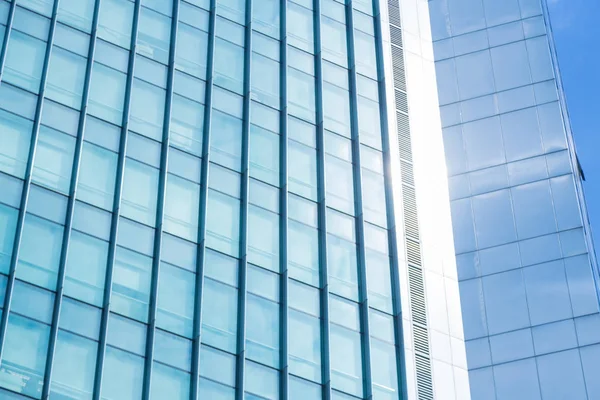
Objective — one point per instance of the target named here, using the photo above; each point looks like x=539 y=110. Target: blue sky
x=576 y=25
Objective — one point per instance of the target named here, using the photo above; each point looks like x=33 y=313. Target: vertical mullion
x=283 y=202
x=241 y=338
x=201 y=248
x=162 y=192
x=321 y=189
x=360 y=234
x=9 y=23
x=391 y=212
x=112 y=247
x=70 y=205
x=27 y=181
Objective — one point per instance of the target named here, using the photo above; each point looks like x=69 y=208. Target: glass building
x=257 y=199
x=526 y=265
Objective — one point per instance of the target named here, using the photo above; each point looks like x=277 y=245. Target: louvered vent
x=394 y=12
x=416 y=284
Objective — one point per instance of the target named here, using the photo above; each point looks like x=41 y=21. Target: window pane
x=181 y=208
x=15 y=135
x=66 y=76
x=192 y=48
x=265 y=80
x=74 y=366
x=54 y=159
x=262 y=335
x=300 y=27
x=222 y=225
x=346 y=360
x=341 y=258
x=140 y=190
x=336 y=108
x=264 y=155
x=86 y=268
x=123 y=375
x=176 y=300
x=131 y=284
x=24 y=357
x=302 y=170
x=305 y=345
x=147 y=109
x=229 y=65
x=340 y=184
x=24 y=61
x=169 y=383
x=115 y=22
x=226 y=141
x=40 y=252
x=97 y=176
x=301 y=94
x=263 y=238
x=154 y=35
x=107 y=92
x=303 y=252
x=187 y=124
x=219 y=325
x=379 y=281
x=77 y=13
x=8 y=227
x=261 y=381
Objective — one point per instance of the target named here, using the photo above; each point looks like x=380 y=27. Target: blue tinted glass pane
x=8 y=226
x=264 y=155
x=154 y=35
x=262 y=335
x=219 y=325
x=299 y=389
x=266 y=17
x=217 y=365
x=24 y=357
x=304 y=345
x=212 y=390
x=66 y=76
x=301 y=94
x=107 y=92
x=229 y=65
x=54 y=160
x=16 y=136
x=226 y=147
x=340 y=185
x=261 y=381
x=77 y=13
x=493 y=219
x=116 y=22
x=181 y=208
x=169 y=383
x=39 y=258
x=147 y=109
x=97 y=175
x=517 y=380
x=303 y=170
x=263 y=238
x=379 y=281
x=187 y=123
x=506 y=302
x=192 y=47
x=131 y=284
x=534 y=213
x=74 y=366
x=341 y=258
x=222 y=223
x=140 y=188
x=346 y=360
x=336 y=108
x=176 y=300
x=24 y=61
x=383 y=362
x=123 y=375
x=303 y=252
x=85 y=270
x=300 y=27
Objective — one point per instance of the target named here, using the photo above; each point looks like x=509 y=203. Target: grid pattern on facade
x=181 y=216
x=525 y=263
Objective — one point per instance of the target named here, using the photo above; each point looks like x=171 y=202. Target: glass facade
x=195 y=203
x=527 y=272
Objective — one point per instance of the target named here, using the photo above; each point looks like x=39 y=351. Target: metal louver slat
x=394 y=12
x=416 y=282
